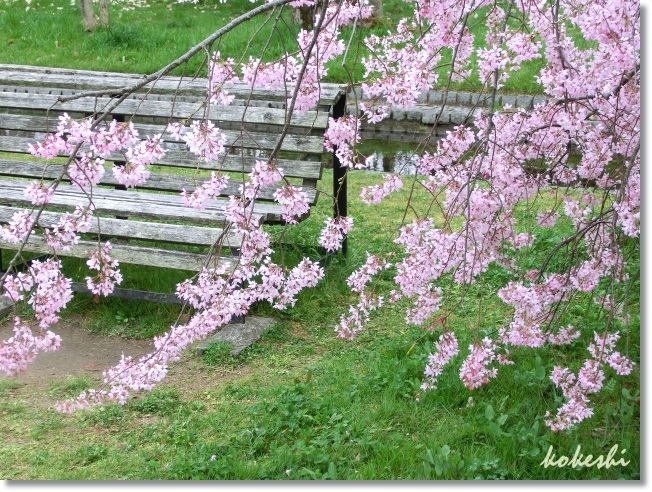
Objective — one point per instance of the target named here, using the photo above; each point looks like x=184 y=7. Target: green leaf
x=438 y=469
x=489 y=413
x=495 y=429
x=332 y=471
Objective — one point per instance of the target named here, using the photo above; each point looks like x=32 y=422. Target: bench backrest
x=29 y=108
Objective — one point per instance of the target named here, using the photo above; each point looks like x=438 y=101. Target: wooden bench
x=156 y=222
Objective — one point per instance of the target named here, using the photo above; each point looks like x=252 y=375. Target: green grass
x=301 y=404
x=70 y=387
x=142 y=40
x=139 y=40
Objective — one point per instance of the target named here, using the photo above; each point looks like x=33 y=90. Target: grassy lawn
x=143 y=39
x=301 y=404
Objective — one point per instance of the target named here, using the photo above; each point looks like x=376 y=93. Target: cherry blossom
x=583 y=136
x=108 y=275
x=210 y=188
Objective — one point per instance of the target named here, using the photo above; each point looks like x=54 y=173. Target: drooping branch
x=201 y=46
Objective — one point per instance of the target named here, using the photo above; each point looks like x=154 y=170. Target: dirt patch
x=87 y=354
x=81 y=353
x=297 y=330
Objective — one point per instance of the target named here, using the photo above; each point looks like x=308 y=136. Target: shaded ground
x=81 y=353
x=85 y=354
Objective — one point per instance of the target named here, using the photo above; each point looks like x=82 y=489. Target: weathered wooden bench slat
x=180 y=158
x=150 y=225
x=127 y=203
x=141 y=230
x=85 y=80
x=309 y=144
x=135 y=254
x=162 y=182
x=166 y=109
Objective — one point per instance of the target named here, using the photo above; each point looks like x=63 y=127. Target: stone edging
x=413 y=122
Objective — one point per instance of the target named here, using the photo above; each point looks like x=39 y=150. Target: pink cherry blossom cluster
x=19 y=350
x=118 y=136
x=477 y=175
x=547 y=219
x=334 y=232
x=400 y=68
x=305 y=275
x=301 y=71
x=63 y=235
x=531 y=306
x=475 y=370
x=71 y=133
x=445 y=349
x=18 y=229
x=218 y=294
x=354 y=322
x=589 y=379
x=139 y=156
x=108 y=275
x=221 y=75
x=270 y=75
x=585 y=134
x=210 y=188
x=341 y=137
x=39 y=193
x=265 y=174
x=293 y=201
x=205 y=141
x=358 y=280
x=49 y=291
x=86 y=171
x=376 y=194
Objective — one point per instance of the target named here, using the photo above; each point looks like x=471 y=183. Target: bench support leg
x=339 y=175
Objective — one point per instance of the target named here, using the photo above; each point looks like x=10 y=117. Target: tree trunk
x=88 y=16
x=376 y=13
x=303 y=16
x=104 y=13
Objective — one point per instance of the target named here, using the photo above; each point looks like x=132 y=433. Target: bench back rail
x=149 y=225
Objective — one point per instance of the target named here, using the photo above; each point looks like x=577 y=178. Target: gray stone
x=354 y=110
x=414 y=114
x=429 y=116
x=5 y=306
x=508 y=99
x=539 y=100
x=463 y=98
x=445 y=117
x=480 y=99
x=448 y=99
x=422 y=98
x=398 y=114
x=524 y=102
x=459 y=115
x=435 y=97
x=356 y=92
x=238 y=335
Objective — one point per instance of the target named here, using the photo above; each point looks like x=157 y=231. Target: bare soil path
x=85 y=354
x=81 y=353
